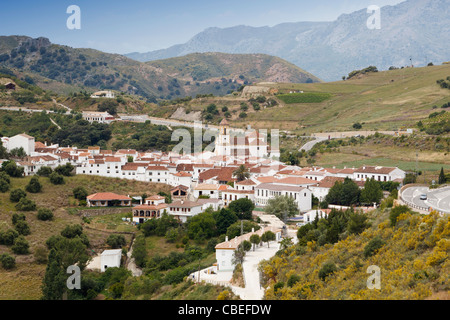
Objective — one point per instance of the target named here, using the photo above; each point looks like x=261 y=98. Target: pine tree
x=442 y=179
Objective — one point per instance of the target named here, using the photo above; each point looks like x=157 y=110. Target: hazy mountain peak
x=417 y=29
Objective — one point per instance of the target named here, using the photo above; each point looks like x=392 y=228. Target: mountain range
x=412 y=32
x=65 y=69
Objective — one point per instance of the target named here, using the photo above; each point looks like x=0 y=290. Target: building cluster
x=200 y=180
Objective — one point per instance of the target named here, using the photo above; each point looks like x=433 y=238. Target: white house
x=266 y=191
x=153 y=208
x=206 y=189
x=180 y=178
x=110 y=259
x=183 y=210
x=21 y=141
x=382 y=174
x=309 y=216
x=100 y=117
x=103 y=94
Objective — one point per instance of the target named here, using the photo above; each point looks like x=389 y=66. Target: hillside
x=387 y=100
x=256 y=68
x=64 y=70
x=333 y=49
x=332 y=259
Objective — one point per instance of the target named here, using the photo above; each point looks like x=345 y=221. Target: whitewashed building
x=110 y=259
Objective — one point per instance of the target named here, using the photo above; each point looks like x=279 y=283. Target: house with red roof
x=108 y=199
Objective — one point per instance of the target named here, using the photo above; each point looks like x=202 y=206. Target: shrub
x=4 y=185
x=395 y=212
x=293 y=279
x=8 y=237
x=373 y=246
x=34 y=186
x=56 y=178
x=20 y=246
x=26 y=205
x=326 y=270
x=16 y=217
x=44 y=171
x=45 y=214
x=40 y=255
x=16 y=195
x=8 y=262
x=72 y=231
x=23 y=228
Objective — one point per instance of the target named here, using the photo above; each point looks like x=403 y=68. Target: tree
x=243 y=208
x=345 y=193
x=267 y=237
x=241 y=173
x=282 y=206
x=34 y=186
x=247 y=226
x=255 y=240
x=372 y=192
x=116 y=241
x=11 y=168
x=224 y=218
x=442 y=178
x=201 y=227
x=80 y=193
x=44 y=171
x=65 y=170
x=357 y=223
x=239 y=255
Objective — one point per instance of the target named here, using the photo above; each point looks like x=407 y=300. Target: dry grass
x=25 y=280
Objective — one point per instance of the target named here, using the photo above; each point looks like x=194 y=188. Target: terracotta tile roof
x=279 y=187
x=182 y=174
x=160 y=206
x=376 y=170
x=104 y=196
x=184 y=204
x=131 y=166
x=329 y=182
x=157 y=168
x=248 y=182
x=296 y=181
x=185 y=167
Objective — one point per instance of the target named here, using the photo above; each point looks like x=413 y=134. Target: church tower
x=223 y=146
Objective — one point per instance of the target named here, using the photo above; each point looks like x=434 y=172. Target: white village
x=202 y=181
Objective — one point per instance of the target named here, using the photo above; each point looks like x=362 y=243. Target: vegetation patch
x=306 y=97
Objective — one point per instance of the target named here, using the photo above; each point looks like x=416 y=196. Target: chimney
x=226 y=239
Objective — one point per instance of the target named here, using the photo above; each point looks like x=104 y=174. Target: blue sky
x=146 y=25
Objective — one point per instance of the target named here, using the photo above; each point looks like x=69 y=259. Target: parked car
x=423 y=197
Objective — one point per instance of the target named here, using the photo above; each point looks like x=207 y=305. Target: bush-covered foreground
x=411 y=252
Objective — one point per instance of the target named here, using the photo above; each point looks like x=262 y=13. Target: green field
x=307 y=97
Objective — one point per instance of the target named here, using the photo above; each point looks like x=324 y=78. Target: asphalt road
x=438 y=199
